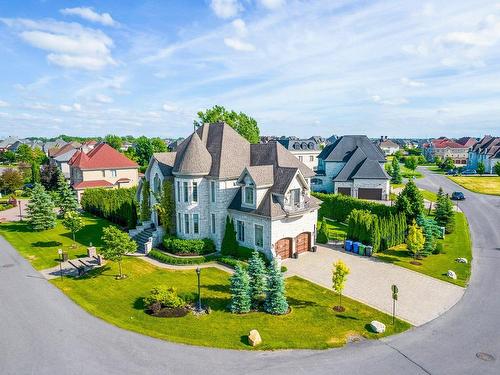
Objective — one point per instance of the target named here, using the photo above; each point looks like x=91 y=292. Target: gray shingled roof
x=166 y=161
x=193 y=157
x=370 y=169
x=360 y=166
x=299 y=144
x=262 y=175
x=343 y=148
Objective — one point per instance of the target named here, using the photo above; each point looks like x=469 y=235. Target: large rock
x=377 y=326
x=462 y=260
x=254 y=338
x=451 y=274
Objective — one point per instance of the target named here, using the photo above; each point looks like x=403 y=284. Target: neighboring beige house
x=217 y=173
x=306 y=150
x=447 y=148
x=102 y=167
x=388 y=146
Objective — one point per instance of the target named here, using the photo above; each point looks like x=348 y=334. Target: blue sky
x=396 y=68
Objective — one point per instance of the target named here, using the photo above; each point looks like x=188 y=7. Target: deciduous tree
x=339 y=277
x=73 y=222
x=415 y=240
x=114 y=141
x=116 y=244
x=11 y=180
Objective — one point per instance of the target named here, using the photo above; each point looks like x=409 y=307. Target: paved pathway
x=421 y=298
x=187 y=266
x=69 y=267
x=12 y=214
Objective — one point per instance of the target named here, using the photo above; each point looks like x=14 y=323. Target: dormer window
x=249 y=195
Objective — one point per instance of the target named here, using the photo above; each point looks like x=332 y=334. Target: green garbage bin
x=362 y=249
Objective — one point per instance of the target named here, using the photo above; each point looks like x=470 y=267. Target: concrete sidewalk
x=421 y=298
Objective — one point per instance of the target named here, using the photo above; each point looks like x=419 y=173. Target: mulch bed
x=339 y=308
x=175 y=312
x=415 y=263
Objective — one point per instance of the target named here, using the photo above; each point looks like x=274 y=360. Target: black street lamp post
x=198 y=272
x=60 y=262
x=20 y=210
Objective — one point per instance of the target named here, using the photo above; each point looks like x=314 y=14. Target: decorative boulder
x=462 y=260
x=452 y=274
x=377 y=326
x=254 y=338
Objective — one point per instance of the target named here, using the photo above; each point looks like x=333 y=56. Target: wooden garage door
x=303 y=242
x=284 y=248
x=365 y=193
x=344 y=191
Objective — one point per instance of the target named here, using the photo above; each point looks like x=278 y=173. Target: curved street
x=43 y=332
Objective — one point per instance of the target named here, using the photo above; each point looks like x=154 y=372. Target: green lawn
x=435 y=169
x=312 y=322
x=407 y=173
x=429 y=195
x=336 y=230
x=455 y=245
x=484 y=185
x=40 y=248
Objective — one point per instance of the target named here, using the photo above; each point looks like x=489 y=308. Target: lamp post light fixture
x=60 y=252
x=20 y=211
x=198 y=272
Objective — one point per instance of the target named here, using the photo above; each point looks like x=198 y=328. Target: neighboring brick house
x=62 y=156
x=354 y=166
x=487 y=151
x=446 y=148
x=262 y=187
x=387 y=146
x=101 y=167
x=306 y=150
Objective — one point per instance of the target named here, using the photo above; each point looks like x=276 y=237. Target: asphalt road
x=43 y=332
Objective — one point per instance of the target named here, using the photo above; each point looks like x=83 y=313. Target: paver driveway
x=421 y=298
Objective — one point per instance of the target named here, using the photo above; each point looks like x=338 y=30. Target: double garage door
x=366 y=193
x=302 y=244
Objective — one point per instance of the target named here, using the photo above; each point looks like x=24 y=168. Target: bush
x=439 y=249
x=186 y=247
x=117 y=205
x=167 y=297
x=322 y=236
x=168 y=259
x=338 y=207
x=232 y=262
x=283 y=269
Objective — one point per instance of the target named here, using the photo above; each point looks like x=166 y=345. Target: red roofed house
x=102 y=167
x=444 y=148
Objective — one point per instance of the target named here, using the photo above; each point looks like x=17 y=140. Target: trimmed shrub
x=322 y=236
x=167 y=297
x=176 y=245
x=168 y=259
x=117 y=205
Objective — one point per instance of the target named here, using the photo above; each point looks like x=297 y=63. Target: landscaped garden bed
x=312 y=323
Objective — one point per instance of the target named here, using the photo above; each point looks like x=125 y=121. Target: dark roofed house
x=306 y=150
x=217 y=173
x=354 y=166
x=486 y=151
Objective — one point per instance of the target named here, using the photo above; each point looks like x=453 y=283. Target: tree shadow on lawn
x=300 y=304
x=96 y=272
x=217 y=288
x=139 y=304
x=15 y=227
x=90 y=233
x=345 y=317
x=46 y=244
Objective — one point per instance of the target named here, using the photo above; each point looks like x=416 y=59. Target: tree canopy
x=245 y=125
x=114 y=141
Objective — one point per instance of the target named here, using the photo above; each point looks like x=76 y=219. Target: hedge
x=180 y=246
x=168 y=259
x=338 y=207
x=117 y=205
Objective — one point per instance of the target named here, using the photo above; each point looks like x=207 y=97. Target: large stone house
x=101 y=167
x=354 y=166
x=306 y=150
x=446 y=148
x=388 y=146
x=217 y=173
x=486 y=151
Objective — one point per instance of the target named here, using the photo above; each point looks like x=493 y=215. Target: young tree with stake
x=339 y=277
x=73 y=222
x=116 y=244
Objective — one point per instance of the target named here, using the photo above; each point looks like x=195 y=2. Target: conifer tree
x=66 y=197
x=375 y=234
x=40 y=210
x=396 y=177
x=145 y=203
x=35 y=172
x=275 y=302
x=257 y=278
x=450 y=214
x=229 y=243
x=444 y=213
x=240 y=291
x=410 y=201
x=322 y=236
x=415 y=240
x=427 y=226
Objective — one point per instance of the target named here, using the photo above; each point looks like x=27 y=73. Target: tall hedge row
x=117 y=205
x=338 y=207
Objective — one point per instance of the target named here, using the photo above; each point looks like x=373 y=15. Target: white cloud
x=394 y=101
x=169 y=107
x=101 y=98
x=69 y=44
x=89 y=14
x=487 y=34
x=70 y=108
x=272 y=4
x=411 y=83
x=239 y=45
x=226 y=8
x=3 y=103
x=240 y=27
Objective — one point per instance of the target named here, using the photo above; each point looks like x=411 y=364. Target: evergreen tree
x=415 y=240
x=229 y=243
x=444 y=213
x=322 y=236
x=427 y=226
x=496 y=168
x=257 y=278
x=66 y=197
x=375 y=233
x=40 y=210
x=240 y=291
x=166 y=207
x=410 y=202
x=481 y=168
x=145 y=204
x=35 y=173
x=275 y=302
x=450 y=214
x=396 y=177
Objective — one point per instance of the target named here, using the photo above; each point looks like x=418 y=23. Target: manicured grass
x=429 y=195
x=435 y=169
x=455 y=245
x=40 y=248
x=484 y=185
x=397 y=186
x=336 y=230
x=311 y=324
x=407 y=173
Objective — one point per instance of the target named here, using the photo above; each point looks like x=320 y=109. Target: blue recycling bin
x=348 y=245
x=355 y=247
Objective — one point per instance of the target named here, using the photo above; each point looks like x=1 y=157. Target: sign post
x=395 y=291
